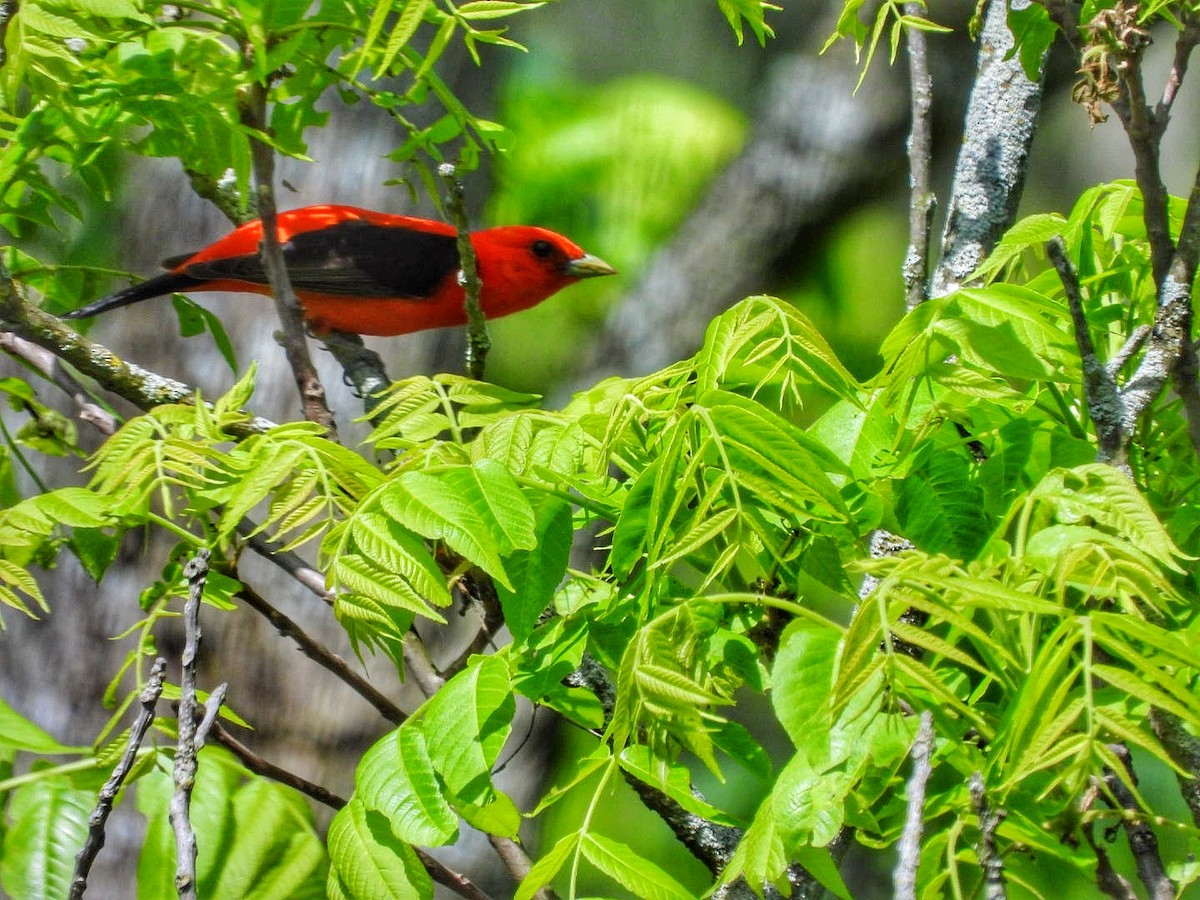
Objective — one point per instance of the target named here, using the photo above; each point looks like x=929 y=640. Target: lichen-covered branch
x=990 y=172
x=908 y=850
x=920 y=163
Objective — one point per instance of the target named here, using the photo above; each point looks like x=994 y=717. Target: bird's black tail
x=155 y=287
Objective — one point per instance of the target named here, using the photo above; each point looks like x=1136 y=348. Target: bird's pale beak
x=588 y=266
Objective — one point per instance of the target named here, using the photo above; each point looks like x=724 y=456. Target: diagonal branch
x=291 y=316
x=108 y=793
x=196 y=572
x=908 y=850
x=1099 y=387
x=141 y=387
x=322 y=655
x=920 y=161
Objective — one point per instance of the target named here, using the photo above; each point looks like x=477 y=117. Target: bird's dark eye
x=541 y=249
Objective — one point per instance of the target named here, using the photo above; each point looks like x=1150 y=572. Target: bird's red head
x=522 y=265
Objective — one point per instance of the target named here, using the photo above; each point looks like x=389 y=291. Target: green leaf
x=466 y=724
x=634 y=873
x=801 y=680
x=772 y=349
x=396 y=778
x=402 y=32
x=775 y=459
x=279 y=852
x=47 y=823
x=478 y=510
x=390 y=552
x=18 y=733
x=543 y=871
x=369 y=861
x=536 y=573
x=195 y=319
x=672 y=779
x=939 y=506
x=362 y=577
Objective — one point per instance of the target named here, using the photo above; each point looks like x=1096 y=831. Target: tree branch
x=196 y=572
x=148 y=699
x=1184 y=750
x=291 y=316
x=908 y=850
x=1185 y=43
x=263 y=767
x=287 y=560
x=1143 y=843
x=478 y=340
x=141 y=387
x=990 y=172
x=1170 y=341
x=361 y=367
x=460 y=884
x=49 y=367
x=322 y=655
x=1099 y=387
x=989 y=856
x=920 y=160
x=1118 y=31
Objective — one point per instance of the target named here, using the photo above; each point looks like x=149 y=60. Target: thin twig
x=920 y=159
x=212 y=708
x=1143 y=843
x=1130 y=348
x=478 y=341
x=108 y=793
x=908 y=849
x=420 y=666
x=290 y=562
x=1118 y=29
x=322 y=655
x=291 y=316
x=1099 y=388
x=196 y=572
x=50 y=367
x=1110 y=882
x=1185 y=43
x=260 y=766
x=1171 y=338
x=994 y=887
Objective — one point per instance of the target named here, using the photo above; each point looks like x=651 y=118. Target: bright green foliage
x=258 y=837
x=1046 y=607
x=1053 y=596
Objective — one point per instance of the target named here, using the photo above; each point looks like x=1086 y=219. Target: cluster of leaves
x=1054 y=602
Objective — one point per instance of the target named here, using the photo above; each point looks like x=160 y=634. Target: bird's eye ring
x=541 y=249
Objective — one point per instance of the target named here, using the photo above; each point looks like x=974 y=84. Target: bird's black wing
x=351 y=259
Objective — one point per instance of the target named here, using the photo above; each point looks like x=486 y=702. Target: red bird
x=374 y=273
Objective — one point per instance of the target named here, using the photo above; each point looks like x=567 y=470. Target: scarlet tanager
x=374 y=273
